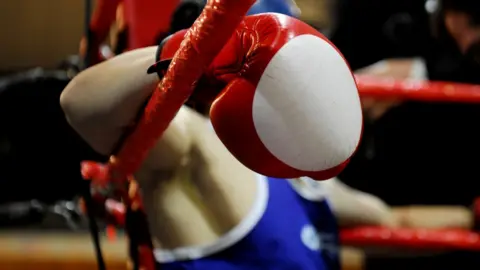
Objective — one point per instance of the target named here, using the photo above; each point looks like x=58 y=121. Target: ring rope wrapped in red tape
x=202 y=43
x=432 y=91
x=425 y=239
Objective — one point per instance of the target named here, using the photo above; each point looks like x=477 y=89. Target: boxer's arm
x=400 y=69
x=417 y=216
x=103 y=100
x=353 y=207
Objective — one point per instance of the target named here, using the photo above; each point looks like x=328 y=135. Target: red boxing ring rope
x=424 y=239
x=418 y=239
x=429 y=91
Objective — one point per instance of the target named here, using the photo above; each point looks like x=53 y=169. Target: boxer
x=462 y=22
x=207 y=208
x=454 y=23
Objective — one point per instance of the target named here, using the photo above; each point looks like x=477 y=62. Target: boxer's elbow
x=70 y=101
x=81 y=100
x=82 y=113
x=354 y=208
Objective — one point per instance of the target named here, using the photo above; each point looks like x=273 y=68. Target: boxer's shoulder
x=192 y=124
x=175 y=144
x=184 y=127
x=189 y=128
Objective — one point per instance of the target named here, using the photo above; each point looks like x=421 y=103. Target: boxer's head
x=186 y=14
x=166 y=50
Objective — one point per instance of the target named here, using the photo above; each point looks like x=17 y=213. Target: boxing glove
x=283 y=100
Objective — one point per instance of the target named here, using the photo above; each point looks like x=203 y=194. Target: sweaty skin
x=203 y=186
x=189 y=180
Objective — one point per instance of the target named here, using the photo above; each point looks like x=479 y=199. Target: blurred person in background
x=416 y=153
x=435 y=39
x=368 y=31
x=418 y=146
x=461 y=20
x=138 y=24
x=427 y=38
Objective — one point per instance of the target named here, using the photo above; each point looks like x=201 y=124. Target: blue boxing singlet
x=290 y=226
x=286 y=7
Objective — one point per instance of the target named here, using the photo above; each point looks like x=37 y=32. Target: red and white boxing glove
x=284 y=101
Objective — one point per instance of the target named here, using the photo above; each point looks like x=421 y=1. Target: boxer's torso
x=286 y=228
x=206 y=210
x=194 y=189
